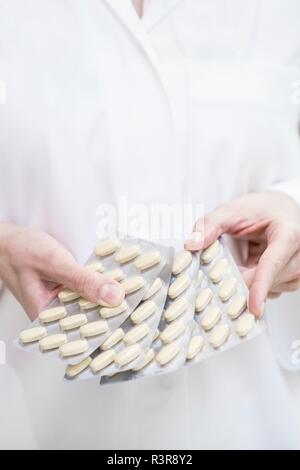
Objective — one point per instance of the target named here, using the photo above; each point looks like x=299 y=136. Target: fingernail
x=193 y=241
x=112 y=294
x=195 y=237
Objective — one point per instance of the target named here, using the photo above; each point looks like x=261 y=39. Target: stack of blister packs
x=178 y=310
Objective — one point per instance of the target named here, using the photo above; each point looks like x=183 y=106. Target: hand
x=34 y=266
x=270 y=222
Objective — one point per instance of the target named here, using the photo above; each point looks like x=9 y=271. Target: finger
x=248 y=276
x=290 y=272
x=92 y=286
x=290 y=286
x=271 y=262
x=195 y=241
x=255 y=250
x=210 y=229
x=34 y=295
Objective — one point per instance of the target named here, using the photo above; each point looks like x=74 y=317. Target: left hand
x=270 y=222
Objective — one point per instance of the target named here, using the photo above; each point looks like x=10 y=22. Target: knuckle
x=80 y=282
x=291 y=233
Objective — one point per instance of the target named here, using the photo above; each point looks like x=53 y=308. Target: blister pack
x=222 y=319
x=169 y=348
x=71 y=328
x=129 y=345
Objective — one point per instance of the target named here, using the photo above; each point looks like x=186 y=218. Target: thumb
x=92 y=286
x=212 y=227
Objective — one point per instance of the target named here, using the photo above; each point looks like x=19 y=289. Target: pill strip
x=73 y=329
x=175 y=327
x=134 y=340
x=86 y=325
x=222 y=320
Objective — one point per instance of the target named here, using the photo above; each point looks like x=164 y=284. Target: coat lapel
x=124 y=10
x=156 y=11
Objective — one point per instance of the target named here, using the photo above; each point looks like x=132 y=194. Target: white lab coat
x=193 y=103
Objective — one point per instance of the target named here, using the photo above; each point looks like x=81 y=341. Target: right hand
x=34 y=267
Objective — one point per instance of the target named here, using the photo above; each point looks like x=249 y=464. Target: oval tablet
x=181 y=283
x=210 y=253
x=218 y=271
x=128 y=355
x=227 y=289
x=245 y=324
x=67 y=295
x=211 y=318
x=153 y=289
x=144 y=311
x=115 y=274
x=237 y=305
x=127 y=253
x=176 y=309
x=172 y=331
x=195 y=347
x=133 y=284
x=146 y=361
x=181 y=262
x=113 y=339
x=32 y=334
x=96 y=267
x=107 y=247
x=203 y=299
x=73 y=371
x=168 y=353
x=103 y=360
x=52 y=342
x=109 y=312
x=52 y=314
x=148 y=260
x=219 y=336
x=137 y=333
x=86 y=304
x=73 y=321
x=94 y=328
x=73 y=348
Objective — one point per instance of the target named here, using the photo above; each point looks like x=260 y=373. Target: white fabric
x=290 y=187
x=195 y=96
